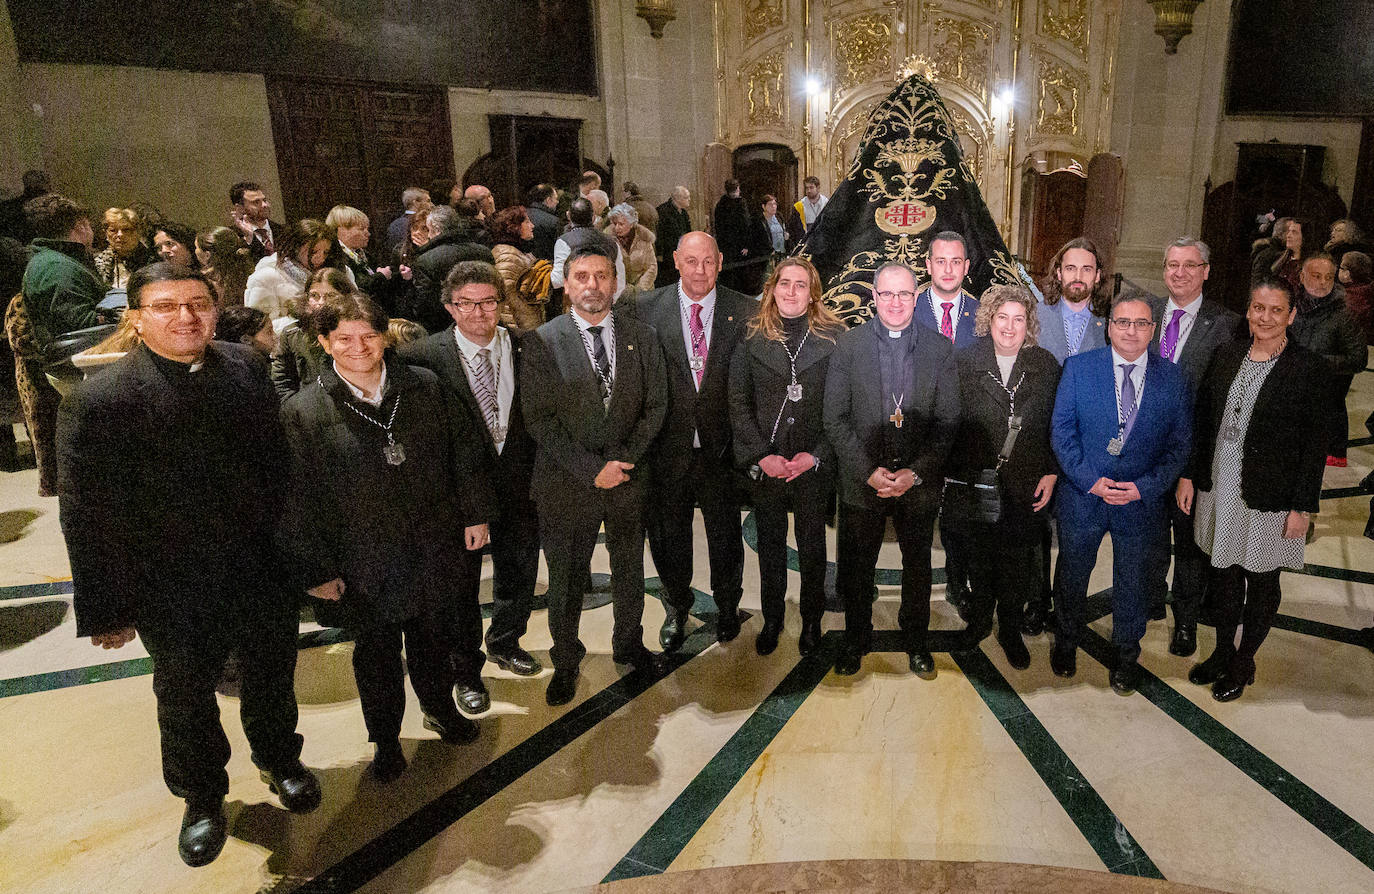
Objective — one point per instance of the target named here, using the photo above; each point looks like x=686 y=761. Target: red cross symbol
x=905 y=215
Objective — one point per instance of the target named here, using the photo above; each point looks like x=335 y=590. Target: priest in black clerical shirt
x=170 y=466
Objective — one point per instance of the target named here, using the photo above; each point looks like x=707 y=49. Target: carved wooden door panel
x=1051 y=214
x=359 y=144
x=1102 y=207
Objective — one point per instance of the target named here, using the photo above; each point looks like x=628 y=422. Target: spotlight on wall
x=657 y=13
x=1173 y=21
x=1001 y=102
x=813 y=85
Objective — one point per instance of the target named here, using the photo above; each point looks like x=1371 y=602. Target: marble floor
x=726 y=759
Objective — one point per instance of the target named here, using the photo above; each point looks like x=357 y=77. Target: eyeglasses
x=1183 y=266
x=895 y=296
x=199 y=306
x=467 y=307
x=1132 y=324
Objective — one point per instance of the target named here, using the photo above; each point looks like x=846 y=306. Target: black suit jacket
x=510 y=470
x=255 y=246
x=759 y=375
x=984 y=406
x=432 y=263
x=705 y=412
x=575 y=433
x=856 y=414
x=673 y=224
x=1284 y=454
x=1214 y=327
x=169 y=487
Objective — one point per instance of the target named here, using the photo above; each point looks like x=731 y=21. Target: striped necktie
x=484 y=389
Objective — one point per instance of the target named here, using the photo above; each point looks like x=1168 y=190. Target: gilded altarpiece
x=1027 y=82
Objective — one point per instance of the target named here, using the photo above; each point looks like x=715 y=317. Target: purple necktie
x=1170 y=342
x=1127 y=399
x=699 y=346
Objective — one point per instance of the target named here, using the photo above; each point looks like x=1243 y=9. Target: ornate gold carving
x=759 y=16
x=1066 y=20
x=863 y=49
x=916 y=64
x=961 y=53
x=973 y=141
x=1058 y=106
x=765 y=91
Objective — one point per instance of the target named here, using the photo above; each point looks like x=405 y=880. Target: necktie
x=484 y=389
x=947 y=324
x=698 y=342
x=1127 y=398
x=1170 y=342
x=603 y=363
x=265 y=238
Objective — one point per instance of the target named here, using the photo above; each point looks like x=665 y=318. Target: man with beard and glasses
x=594 y=393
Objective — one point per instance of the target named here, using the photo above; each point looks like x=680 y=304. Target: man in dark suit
x=1190 y=330
x=699 y=323
x=944 y=306
x=178 y=547
x=541 y=204
x=891 y=412
x=450 y=241
x=673 y=223
x=250 y=213
x=1122 y=431
x=479 y=363
x=594 y=394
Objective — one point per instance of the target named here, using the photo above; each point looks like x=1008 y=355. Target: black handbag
x=978 y=501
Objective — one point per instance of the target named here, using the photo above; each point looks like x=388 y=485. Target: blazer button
x=790 y=420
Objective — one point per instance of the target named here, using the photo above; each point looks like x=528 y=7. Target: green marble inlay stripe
x=1320 y=813
x=31 y=591
x=669 y=834
x=411 y=833
x=1340 y=493
x=882 y=577
x=1104 y=832
x=1333 y=573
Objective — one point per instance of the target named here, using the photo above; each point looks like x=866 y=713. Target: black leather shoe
x=1124 y=677
x=1158 y=612
x=297 y=788
x=810 y=638
x=472 y=696
x=517 y=661
x=1229 y=687
x=388 y=763
x=1205 y=673
x=847 y=665
x=960 y=601
x=921 y=662
x=674 y=630
x=203 y=830
x=1018 y=656
x=562 y=688
x=1033 y=623
x=1184 y=642
x=454 y=729
x=727 y=627
x=1064 y=661
x=767 y=640
x=641 y=660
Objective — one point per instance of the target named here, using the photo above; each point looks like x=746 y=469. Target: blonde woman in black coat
x=1005 y=375
x=777 y=383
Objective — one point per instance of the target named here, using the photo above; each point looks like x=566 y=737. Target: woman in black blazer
x=1001 y=375
x=777 y=382
x=1255 y=477
x=381 y=494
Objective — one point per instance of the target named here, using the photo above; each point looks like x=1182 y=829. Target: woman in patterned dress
x=1255 y=478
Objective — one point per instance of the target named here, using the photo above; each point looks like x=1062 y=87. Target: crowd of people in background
x=303 y=410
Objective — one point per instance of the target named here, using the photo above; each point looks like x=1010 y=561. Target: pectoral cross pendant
x=896 y=417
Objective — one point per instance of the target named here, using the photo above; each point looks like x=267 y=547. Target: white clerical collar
x=359 y=393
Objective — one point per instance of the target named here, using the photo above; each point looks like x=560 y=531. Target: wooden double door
x=357 y=143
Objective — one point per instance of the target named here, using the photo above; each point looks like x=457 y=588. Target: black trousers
x=808 y=499
x=381 y=676
x=568 y=528
x=959 y=551
x=1003 y=576
x=187 y=661
x=860 y=539
x=669 y=523
x=1190 y=567
x=458 y=617
x=1248 y=599
x=1339 y=421
x=515 y=563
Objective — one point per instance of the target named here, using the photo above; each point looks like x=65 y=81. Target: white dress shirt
x=607 y=325
x=708 y=316
x=502 y=364
x=375 y=401
x=812 y=210
x=936 y=303
x=1137 y=378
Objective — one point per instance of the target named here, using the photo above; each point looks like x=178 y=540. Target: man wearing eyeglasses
x=891 y=411
x=1190 y=330
x=478 y=362
x=1122 y=431
x=170 y=466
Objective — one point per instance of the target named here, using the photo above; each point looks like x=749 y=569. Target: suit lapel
x=667 y=320
x=723 y=326
x=1201 y=334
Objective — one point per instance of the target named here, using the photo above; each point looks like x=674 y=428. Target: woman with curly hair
x=510 y=228
x=226 y=262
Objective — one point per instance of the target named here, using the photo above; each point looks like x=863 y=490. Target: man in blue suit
x=1122 y=431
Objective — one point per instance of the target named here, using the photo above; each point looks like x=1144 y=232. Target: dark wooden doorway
x=357 y=143
x=766 y=169
x=527 y=150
